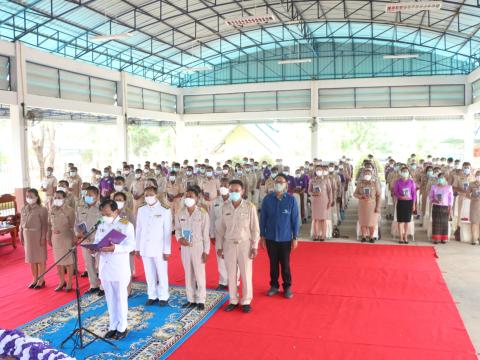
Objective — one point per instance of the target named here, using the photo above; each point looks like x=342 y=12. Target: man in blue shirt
x=279 y=227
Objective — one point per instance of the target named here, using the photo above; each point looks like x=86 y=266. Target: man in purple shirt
x=106 y=185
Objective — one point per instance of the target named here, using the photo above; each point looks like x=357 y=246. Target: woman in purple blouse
x=405 y=193
x=441 y=197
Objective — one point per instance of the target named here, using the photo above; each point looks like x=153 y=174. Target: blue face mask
x=442 y=181
x=235 y=196
x=89 y=200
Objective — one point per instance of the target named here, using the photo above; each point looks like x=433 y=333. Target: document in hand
x=187 y=235
x=113 y=237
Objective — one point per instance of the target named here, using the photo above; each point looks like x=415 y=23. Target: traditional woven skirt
x=439 y=223
x=404 y=211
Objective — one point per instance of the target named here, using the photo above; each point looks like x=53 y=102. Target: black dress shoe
x=189 y=305
x=272 y=291
x=163 y=303
x=372 y=240
x=150 y=302
x=200 y=307
x=120 y=335
x=84 y=274
x=32 y=285
x=92 y=290
x=246 y=309
x=363 y=240
x=41 y=286
x=230 y=307
x=101 y=292
x=110 y=334
x=287 y=293
x=60 y=287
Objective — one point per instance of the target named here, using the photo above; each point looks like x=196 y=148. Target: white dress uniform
x=153 y=240
x=114 y=272
x=199 y=225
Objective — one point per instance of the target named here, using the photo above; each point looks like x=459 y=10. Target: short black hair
x=151 y=188
x=236 y=182
x=111 y=203
x=154 y=182
x=283 y=176
x=193 y=189
x=122 y=194
x=61 y=192
x=93 y=189
x=119 y=178
x=65 y=182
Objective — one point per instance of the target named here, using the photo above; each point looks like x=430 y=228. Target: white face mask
x=188 y=173
x=157 y=172
x=107 y=219
x=319 y=173
x=367 y=177
x=330 y=169
x=58 y=202
x=150 y=200
x=73 y=173
x=171 y=178
x=225 y=171
x=223 y=191
x=118 y=188
x=31 y=201
x=120 y=204
x=138 y=176
x=189 y=202
x=209 y=174
x=49 y=173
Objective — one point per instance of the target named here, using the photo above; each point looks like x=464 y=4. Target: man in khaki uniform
x=460 y=186
x=251 y=181
x=89 y=214
x=210 y=187
x=161 y=179
x=129 y=176
x=192 y=226
x=188 y=180
x=49 y=186
x=138 y=190
x=174 y=192
x=237 y=241
x=75 y=182
x=120 y=186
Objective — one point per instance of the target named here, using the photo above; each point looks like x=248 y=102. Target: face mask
x=189 y=202
x=223 y=191
x=404 y=174
x=83 y=193
x=31 y=201
x=89 y=200
x=442 y=181
x=225 y=171
x=202 y=170
x=105 y=174
x=286 y=173
x=318 y=173
x=58 y=202
x=138 y=176
x=118 y=188
x=367 y=177
x=279 y=187
x=274 y=175
x=239 y=172
x=157 y=172
x=73 y=173
x=264 y=166
x=61 y=188
x=297 y=175
x=146 y=171
x=235 y=196
x=107 y=219
x=171 y=178
x=466 y=171
x=430 y=173
x=458 y=166
x=126 y=172
x=120 y=204
x=330 y=169
x=150 y=200
x=247 y=170
x=49 y=173
x=414 y=167
x=188 y=173
x=209 y=174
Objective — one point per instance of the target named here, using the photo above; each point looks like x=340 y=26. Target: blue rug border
x=170 y=351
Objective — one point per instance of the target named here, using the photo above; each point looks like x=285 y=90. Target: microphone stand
x=80 y=330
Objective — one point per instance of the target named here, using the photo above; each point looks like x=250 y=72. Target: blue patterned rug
x=154 y=332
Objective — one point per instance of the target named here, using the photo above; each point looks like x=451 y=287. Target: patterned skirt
x=439 y=223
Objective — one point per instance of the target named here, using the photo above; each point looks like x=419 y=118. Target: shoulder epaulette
x=202 y=208
x=164 y=203
x=143 y=204
x=123 y=221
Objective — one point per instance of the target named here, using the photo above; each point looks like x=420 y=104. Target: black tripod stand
x=80 y=330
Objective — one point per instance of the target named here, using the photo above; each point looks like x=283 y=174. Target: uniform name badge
x=439 y=197
x=317 y=189
x=366 y=191
x=465 y=186
x=406 y=192
x=187 y=235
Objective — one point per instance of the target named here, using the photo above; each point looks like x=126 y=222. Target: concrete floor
x=459 y=263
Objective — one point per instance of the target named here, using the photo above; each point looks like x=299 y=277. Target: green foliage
x=142 y=138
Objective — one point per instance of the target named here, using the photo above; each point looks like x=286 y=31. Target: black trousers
x=279 y=255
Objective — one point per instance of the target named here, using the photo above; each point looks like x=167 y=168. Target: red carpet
x=351 y=301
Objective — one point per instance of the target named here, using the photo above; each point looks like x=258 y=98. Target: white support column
x=122 y=128
x=181 y=146
x=19 y=124
x=314 y=137
x=468 y=136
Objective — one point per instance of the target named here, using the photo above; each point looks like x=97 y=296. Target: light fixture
x=413 y=6
x=294 y=61
x=196 y=68
x=401 y=56
x=251 y=20
x=100 y=38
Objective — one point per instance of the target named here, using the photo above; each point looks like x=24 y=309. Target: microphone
x=99 y=221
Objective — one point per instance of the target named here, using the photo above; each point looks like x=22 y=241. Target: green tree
x=142 y=138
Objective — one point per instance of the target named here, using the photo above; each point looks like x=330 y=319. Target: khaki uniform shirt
x=198 y=223
x=89 y=216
